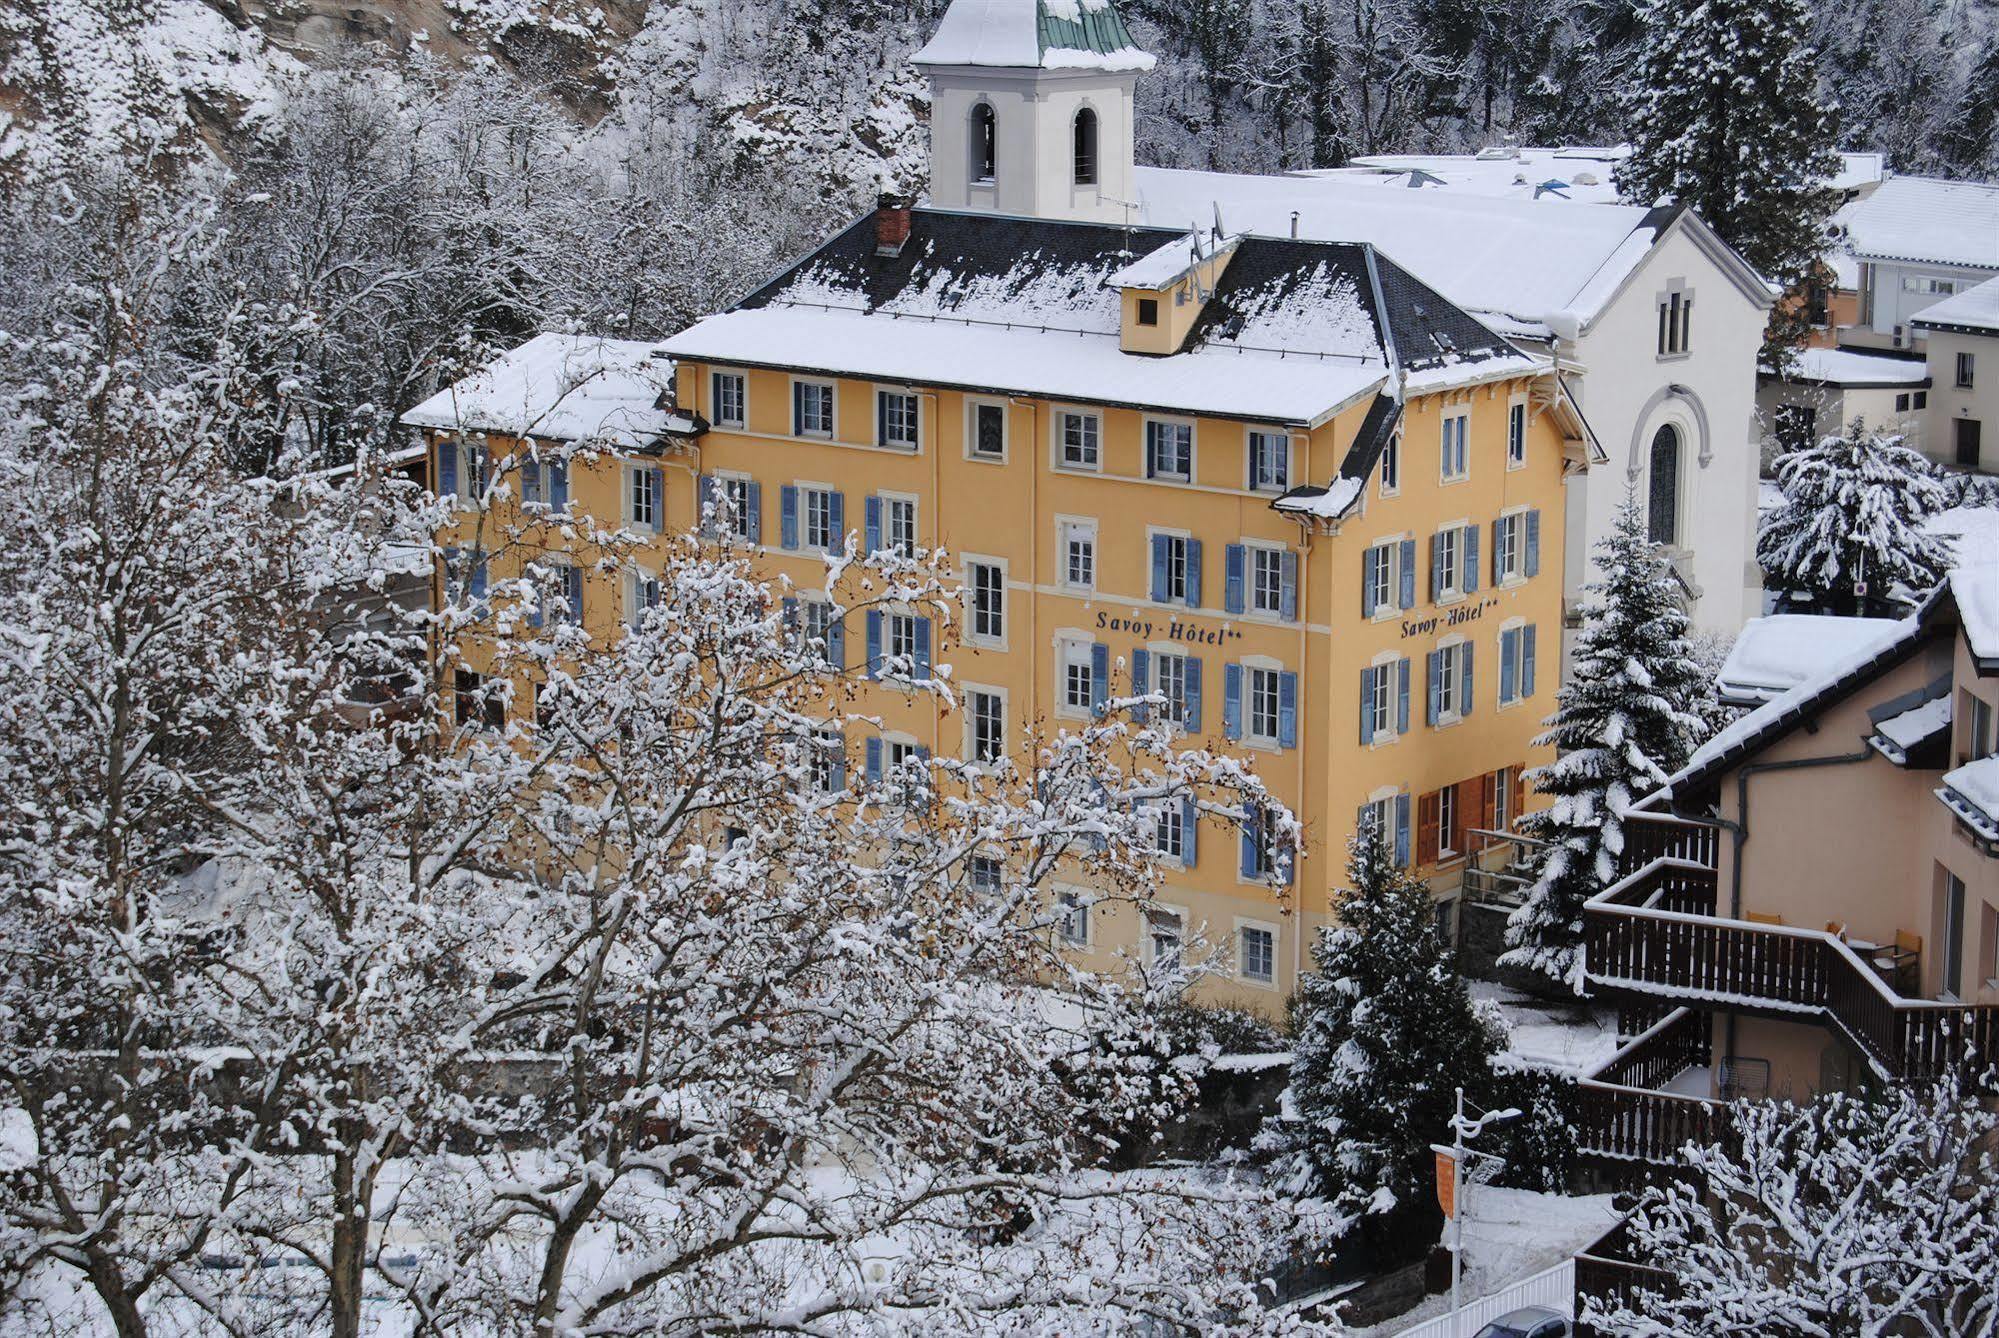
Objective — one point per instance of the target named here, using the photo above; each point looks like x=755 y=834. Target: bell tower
x=1031 y=108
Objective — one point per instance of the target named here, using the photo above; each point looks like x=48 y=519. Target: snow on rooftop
x=1972 y=792
x=1158 y=267
x=1974 y=585
x=1974 y=308
x=1328 y=503
x=1912 y=726
x=559 y=387
x=1577 y=174
x=1775 y=654
x=1852 y=367
x=1925 y=218
x=1034 y=34
x=1088 y=366
x=1512 y=259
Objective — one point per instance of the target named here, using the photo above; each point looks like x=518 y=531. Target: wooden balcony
x=1622 y=1111
x=1607 y=1272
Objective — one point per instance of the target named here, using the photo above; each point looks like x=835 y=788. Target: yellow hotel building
x=1282 y=483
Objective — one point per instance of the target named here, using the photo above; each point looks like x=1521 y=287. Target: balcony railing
x=1606 y=1272
x=1652 y=836
x=1656 y=932
x=1621 y=1111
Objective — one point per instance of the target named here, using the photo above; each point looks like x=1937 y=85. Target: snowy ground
x=1548 y=1035
x=1511 y=1234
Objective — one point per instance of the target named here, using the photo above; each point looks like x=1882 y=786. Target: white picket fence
x=1554 y=1287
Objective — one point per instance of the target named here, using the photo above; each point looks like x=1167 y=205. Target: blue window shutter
x=447 y=469
x=1470 y=557
x=836 y=521
x=1507 y=687
x=1191 y=721
x=1367 y=705
x=1100 y=676
x=478 y=576
x=557 y=474
x=1159 y=568
x=787 y=515
x=1369 y=596
x=797 y=409
x=1287 y=710
x=873 y=510
x=656 y=484
x=530 y=480
x=1288 y=594
x=836 y=643
x=874 y=643
x=1465 y=678
x=1533 y=561
x=1402 y=697
x=837 y=771
x=1408 y=574
x=1140 y=664
x=1232 y=575
x=1246 y=847
x=874 y=761
x=707 y=490
x=1402 y=827
x=923 y=649
x=572 y=589
x=534 y=609
x=1498 y=545
x=1190 y=832
x=754 y=505
x=1527 y=661
x=1436 y=566
x=1232 y=701
x=1434 y=665
x=1193 y=573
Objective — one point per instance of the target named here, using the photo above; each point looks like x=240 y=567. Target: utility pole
x=1463 y=1130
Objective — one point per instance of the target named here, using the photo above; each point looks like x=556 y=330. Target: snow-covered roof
x=1034 y=34
x=1973 y=309
x=1974 y=585
x=1327 y=503
x=1925 y=218
x=1775 y=654
x=1900 y=734
x=1159 y=267
x=1293 y=331
x=558 y=387
x=1522 y=265
x=1569 y=173
x=1972 y=793
x=1855 y=369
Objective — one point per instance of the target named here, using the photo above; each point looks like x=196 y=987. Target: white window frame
x=1245 y=927
x=1251 y=473
x=1074 y=906
x=1511 y=625
x=968 y=748
x=1067 y=529
x=915 y=442
x=973 y=636
x=637 y=481
x=727 y=482
x=1382 y=804
x=1517 y=415
x=1461 y=417
x=1454 y=561
x=1447 y=818
x=820 y=758
x=637 y=578
x=1256 y=668
x=1451 y=679
x=1147 y=940
x=1163 y=653
x=1074 y=649
x=1165 y=812
x=716 y=375
x=898 y=637
x=972 y=452
x=823 y=494
x=1178 y=559
x=811 y=606
x=1391 y=465
x=893 y=504
x=1387 y=667
x=832 y=389
x=1512 y=551
x=1502 y=800
x=1058 y=421
x=1153 y=421
x=1391 y=605
x=1252 y=550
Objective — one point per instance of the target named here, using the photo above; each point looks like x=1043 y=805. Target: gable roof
x=558 y=387
x=1973 y=311
x=1034 y=34
x=1292 y=332
x=1925 y=219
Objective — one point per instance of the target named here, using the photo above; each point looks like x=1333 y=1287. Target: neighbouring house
x=1827 y=389
x=1961 y=335
x=1812 y=903
x=1912 y=242
x=1775 y=653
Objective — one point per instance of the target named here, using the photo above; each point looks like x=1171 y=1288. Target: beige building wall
x=1951 y=403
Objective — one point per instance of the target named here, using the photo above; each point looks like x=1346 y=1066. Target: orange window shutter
x=1426 y=828
x=1519 y=789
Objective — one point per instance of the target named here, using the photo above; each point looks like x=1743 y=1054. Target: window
x=1516 y=435
x=642 y=489
x=1447 y=821
x=989 y=431
x=1377 y=702
x=1163 y=937
x=1922 y=399
x=1079 y=554
x=1450 y=683
x=1148 y=311
x=985 y=873
x=1662 y=506
x=1966 y=367
x=1077 y=675
x=467 y=698
x=1914 y=283
x=905 y=755
x=1388 y=577
x=1447 y=559
x=1502 y=800
x=811 y=409
x=1259 y=856
x=1267 y=580
x=1079 y=434
x=895 y=420
x=901 y=643
x=641 y=594
x=826 y=759
x=820 y=511
x=1516 y=547
x=1516 y=665
x=1169 y=450
x=1269 y=461
x=985 y=584
x=1170 y=830
x=1176 y=570
x=1902 y=403
x=1261 y=713
x=1258 y=954
x=1074 y=924
x=1391 y=466
x=1676 y=315
x=730 y=399
x=1978 y=739
x=1953 y=934
x=738 y=499
x=1086 y=147
x=891 y=525
x=822 y=631
x=985 y=146
x=985 y=725
x=1175 y=678
x=1456 y=460
x=545 y=483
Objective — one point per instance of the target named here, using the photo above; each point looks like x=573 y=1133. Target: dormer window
x=1086 y=147
x=985 y=142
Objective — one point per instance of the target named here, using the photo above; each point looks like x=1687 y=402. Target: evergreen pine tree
x=1970 y=142
x=1624 y=721
x=1725 y=118
x=1852 y=520
x=1386 y=1033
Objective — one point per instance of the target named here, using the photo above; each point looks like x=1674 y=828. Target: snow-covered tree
x=1624 y=721
x=1865 y=1214
x=1386 y=1034
x=1850 y=536
x=1726 y=117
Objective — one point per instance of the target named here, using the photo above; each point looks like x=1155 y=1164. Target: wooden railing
x=1655 y=931
x=1606 y=1273
x=1653 y=836
x=1620 y=1112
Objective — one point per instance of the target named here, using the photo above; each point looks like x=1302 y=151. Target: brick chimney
x=891 y=225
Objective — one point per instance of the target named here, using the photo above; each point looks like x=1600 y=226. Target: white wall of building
x=1889 y=408
x=1035 y=114
x=1898 y=291
x=1950 y=402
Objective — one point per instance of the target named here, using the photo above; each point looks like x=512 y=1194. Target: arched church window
x=1663 y=502
x=1086 y=147
x=985 y=145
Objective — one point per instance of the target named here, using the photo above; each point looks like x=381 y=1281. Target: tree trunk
x=109 y=1284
